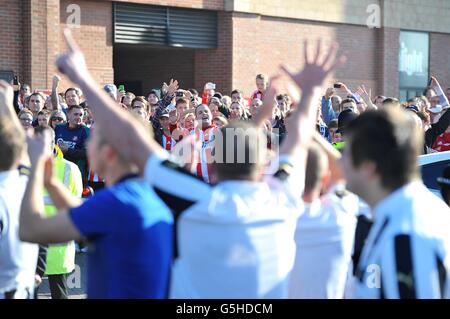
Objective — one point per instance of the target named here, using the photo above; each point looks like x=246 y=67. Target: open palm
x=317 y=69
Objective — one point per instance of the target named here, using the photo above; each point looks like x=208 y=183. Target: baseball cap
x=344 y=118
x=111 y=88
x=164 y=114
x=444 y=180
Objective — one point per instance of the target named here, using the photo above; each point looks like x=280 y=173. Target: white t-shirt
x=17 y=259
x=235 y=239
x=324 y=239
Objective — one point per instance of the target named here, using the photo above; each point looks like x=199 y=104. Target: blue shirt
x=130 y=230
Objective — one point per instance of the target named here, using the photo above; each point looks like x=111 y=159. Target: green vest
x=61 y=257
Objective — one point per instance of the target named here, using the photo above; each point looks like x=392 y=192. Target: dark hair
x=347 y=100
x=181 y=101
x=141 y=99
x=427 y=89
x=44 y=112
x=193 y=91
x=280 y=97
x=236 y=92
x=12 y=143
x=391 y=102
x=262 y=77
x=76 y=106
x=72 y=89
x=246 y=143
x=391 y=140
x=37 y=94
x=333 y=124
x=42 y=129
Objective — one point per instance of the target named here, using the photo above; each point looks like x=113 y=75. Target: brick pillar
x=388 y=61
x=40 y=41
x=216 y=65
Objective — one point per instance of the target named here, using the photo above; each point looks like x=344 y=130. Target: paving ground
x=76 y=281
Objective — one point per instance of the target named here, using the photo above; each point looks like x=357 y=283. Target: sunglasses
x=59 y=119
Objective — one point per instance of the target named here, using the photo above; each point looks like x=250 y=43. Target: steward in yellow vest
x=61 y=257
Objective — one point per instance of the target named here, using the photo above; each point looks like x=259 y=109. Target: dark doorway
x=142 y=68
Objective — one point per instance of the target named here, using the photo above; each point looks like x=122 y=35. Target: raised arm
x=121 y=129
x=301 y=125
x=367 y=97
x=440 y=93
x=54 y=98
x=334 y=157
x=6 y=104
x=34 y=227
x=265 y=112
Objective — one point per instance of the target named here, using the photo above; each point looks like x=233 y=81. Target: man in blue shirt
x=71 y=138
x=128 y=226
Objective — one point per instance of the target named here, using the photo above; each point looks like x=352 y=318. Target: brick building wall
x=94 y=36
x=193 y=4
x=215 y=64
x=440 y=57
x=248 y=43
x=11 y=39
x=261 y=44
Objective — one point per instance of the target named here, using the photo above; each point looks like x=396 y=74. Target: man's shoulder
x=72 y=166
x=135 y=187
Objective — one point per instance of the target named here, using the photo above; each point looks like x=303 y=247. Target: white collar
x=388 y=204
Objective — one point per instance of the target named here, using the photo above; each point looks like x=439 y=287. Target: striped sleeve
x=178 y=188
x=412 y=269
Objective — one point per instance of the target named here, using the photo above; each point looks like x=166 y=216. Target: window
x=413 y=63
x=164 y=26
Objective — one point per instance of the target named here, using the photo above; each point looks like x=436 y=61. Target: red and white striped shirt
x=206 y=136
x=168 y=142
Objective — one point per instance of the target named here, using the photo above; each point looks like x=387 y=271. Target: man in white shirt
x=325 y=230
x=407 y=252
x=243 y=216
x=17 y=259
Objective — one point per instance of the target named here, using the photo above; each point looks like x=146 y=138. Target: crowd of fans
x=295 y=222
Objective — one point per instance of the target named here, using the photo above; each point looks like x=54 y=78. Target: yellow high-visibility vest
x=61 y=257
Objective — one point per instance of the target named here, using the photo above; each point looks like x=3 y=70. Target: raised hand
x=49 y=176
x=6 y=97
x=72 y=63
x=39 y=147
x=364 y=94
x=172 y=87
x=329 y=92
x=434 y=81
x=318 y=68
x=55 y=81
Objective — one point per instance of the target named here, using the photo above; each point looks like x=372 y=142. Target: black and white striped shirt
x=407 y=253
